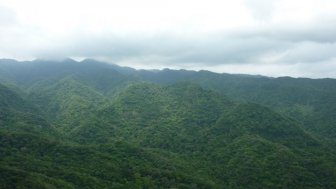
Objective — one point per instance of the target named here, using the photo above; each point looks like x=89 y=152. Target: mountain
x=310 y=101
x=96 y=74
x=205 y=127
x=89 y=124
x=18 y=115
x=65 y=102
x=30 y=161
x=35 y=155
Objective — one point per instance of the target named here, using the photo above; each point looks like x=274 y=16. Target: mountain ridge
x=88 y=125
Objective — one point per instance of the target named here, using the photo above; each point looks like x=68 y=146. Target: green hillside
x=30 y=161
x=309 y=101
x=65 y=102
x=18 y=115
x=88 y=124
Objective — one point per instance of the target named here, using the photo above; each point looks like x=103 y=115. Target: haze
x=268 y=37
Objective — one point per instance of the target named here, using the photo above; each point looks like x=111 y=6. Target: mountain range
x=89 y=124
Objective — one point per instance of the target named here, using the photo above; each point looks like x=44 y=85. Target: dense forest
x=88 y=124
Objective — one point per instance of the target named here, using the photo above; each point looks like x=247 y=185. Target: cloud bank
x=268 y=37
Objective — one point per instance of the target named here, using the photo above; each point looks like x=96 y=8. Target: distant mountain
x=310 y=101
x=88 y=124
x=26 y=74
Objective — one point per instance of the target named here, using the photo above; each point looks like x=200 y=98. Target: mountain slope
x=310 y=101
x=47 y=163
x=178 y=131
x=206 y=129
x=66 y=102
x=18 y=115
x=34 y=155
x=98 y=75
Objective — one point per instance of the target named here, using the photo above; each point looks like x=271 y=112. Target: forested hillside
x=89 y=124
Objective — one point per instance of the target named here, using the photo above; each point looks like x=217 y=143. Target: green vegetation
x=91 y=125
x=312 y=102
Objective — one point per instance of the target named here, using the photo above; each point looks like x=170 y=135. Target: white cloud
x=283 y=37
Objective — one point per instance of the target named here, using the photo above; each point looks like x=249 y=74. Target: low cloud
x=274 y=41
x=212 y=49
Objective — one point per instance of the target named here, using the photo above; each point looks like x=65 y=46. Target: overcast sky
x=267 y=37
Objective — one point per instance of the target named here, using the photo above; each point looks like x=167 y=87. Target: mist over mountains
x=89 y=124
